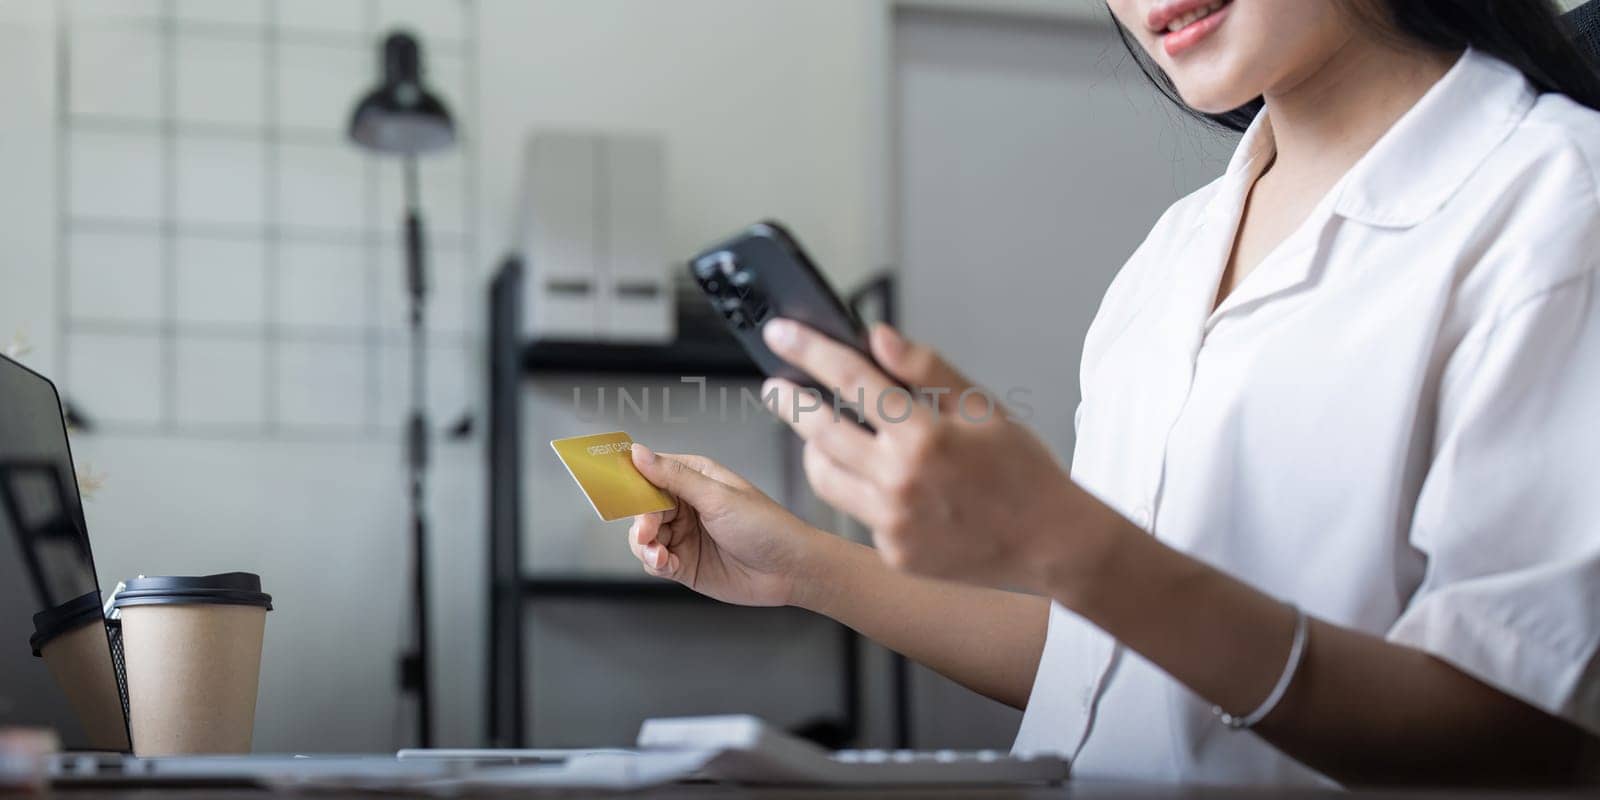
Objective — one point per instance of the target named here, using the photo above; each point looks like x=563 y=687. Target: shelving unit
x=512 y=361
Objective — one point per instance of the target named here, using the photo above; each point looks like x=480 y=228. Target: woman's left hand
x=951 y=486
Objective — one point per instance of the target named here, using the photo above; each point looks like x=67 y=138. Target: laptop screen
x=56 y=665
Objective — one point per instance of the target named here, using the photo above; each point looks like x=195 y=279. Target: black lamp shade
x=401 y=116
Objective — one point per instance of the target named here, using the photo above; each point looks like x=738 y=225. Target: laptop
x=60 y=658
x=57 y=667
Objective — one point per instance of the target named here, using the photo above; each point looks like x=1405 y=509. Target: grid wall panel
x=230 y=260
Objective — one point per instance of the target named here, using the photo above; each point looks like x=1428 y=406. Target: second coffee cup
x=71 y=638
x=192 y=647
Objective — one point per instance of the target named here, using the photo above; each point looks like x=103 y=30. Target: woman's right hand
x=725 y=539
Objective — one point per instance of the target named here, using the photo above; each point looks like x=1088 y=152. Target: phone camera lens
x=714 y=265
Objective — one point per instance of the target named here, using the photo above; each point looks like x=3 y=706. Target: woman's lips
x=1177 y=42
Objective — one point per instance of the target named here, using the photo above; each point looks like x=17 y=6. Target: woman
x=1334 y=479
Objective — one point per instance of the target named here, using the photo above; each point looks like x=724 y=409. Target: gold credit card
x=602 y=464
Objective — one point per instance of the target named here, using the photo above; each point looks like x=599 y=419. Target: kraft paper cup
x=71 y=638
x=192 y=647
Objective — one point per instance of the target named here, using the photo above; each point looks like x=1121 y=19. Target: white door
x=1032 y=158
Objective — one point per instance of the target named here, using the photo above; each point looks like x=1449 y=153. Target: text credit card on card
x=602 y=464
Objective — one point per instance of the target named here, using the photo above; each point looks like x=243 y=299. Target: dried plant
x=18 y=347
x=89 y=481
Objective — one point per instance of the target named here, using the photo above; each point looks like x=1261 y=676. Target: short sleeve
x=1508 y=516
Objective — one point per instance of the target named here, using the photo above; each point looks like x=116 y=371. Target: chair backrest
x=1584 y=23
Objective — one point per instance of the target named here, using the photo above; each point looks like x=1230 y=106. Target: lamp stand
x=414 y=664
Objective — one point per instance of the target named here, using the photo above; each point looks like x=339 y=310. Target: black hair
x=1530 y=35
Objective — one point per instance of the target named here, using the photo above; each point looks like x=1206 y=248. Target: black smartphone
x=763 y=273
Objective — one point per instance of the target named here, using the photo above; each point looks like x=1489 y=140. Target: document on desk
x=602 y=464
x=600 y=770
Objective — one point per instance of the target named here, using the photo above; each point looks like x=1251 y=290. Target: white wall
x=1070 y=10
x=1032 y=159
x=27 y=160
x=765 y=107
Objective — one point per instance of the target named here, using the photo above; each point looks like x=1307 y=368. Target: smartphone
x=763 y=273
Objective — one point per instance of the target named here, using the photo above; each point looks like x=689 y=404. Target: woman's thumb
x=676 y=477
x=915 y=364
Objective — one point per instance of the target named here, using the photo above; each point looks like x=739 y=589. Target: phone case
x=763 y=273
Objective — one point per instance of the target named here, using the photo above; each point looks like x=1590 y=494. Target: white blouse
x=1393 y=422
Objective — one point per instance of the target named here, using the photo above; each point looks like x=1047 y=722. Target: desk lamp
x=401 y=117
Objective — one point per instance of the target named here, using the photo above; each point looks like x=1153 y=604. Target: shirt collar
x=1426 y=156
x=1250 y=157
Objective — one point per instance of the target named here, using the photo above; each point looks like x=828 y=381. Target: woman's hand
x=726 y=539
x=951 y=486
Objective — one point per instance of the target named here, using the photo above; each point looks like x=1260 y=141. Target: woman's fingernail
x=642 y=454
x=661 y=557
x=780 y=334
x=894 y=345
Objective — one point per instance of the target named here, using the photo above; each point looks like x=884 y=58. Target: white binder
x=594 y=216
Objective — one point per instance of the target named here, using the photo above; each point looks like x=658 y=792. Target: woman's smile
x=1182 y=24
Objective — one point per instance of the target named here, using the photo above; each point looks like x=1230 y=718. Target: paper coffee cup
x=192 y=648
x=71 y=638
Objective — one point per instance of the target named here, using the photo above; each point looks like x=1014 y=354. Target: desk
x=1074 y=791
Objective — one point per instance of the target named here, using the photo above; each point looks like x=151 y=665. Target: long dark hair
x=1530 y=35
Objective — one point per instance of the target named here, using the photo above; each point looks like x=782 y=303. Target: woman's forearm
x=1360 y=709
x=987 y=640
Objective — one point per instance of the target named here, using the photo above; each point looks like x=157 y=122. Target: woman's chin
x=1213 y=102
x=1215 y=85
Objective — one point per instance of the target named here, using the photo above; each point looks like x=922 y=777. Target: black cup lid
x=228 y=588
x=69 y=616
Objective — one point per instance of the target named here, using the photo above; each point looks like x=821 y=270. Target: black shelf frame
x=511 y=361
x=580 y=587
x=705 y=359
x=506 y=691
